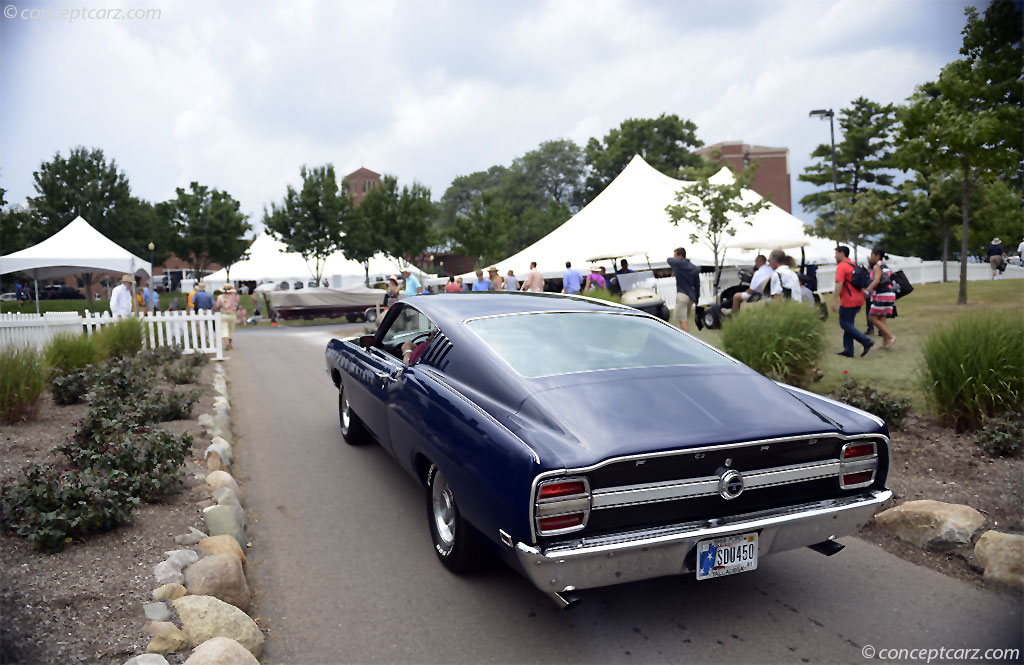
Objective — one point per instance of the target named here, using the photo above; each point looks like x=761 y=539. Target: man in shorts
x=687 y=287
x=762 y=273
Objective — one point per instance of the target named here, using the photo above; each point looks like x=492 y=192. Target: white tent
x=76 y=248
x=630 y=214
x=269 y=259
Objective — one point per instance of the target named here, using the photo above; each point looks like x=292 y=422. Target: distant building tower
x=361 y=181
x=772 y=176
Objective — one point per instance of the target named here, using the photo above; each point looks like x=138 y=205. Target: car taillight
x=562 y=506
x=858 y=463
x=563 y=488
x=859 y=450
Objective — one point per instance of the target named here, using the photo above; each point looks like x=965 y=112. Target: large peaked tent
x=76 y=248
x=629 y=217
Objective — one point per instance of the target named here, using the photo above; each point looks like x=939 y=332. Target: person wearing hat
x=121 y=297
x=996 y=255
x=227 y=305
x=412 y=285
x=202 y=299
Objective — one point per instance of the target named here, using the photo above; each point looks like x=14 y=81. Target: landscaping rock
x=205 y=617
x=221 y=651
x=156 y=611
x=221 y=520
x=181 y=558
x=169 y=640
x=220 y=576
x=221 y=402
x=214 y=461
x=1002 y=556
x=169 y=592
x=165 y=574
x=221 y=445
x=158 y=627
x=147 y=659
x=219 y=479
x=206 y=422
x=221 y=423
x=222 y=545
x=193 y=536
x=227 y=497
x=932 y=525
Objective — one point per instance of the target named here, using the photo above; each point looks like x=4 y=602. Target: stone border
x=207 y=587
x=939 y=526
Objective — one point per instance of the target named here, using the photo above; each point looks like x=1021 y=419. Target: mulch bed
x=932 y=462
x=84 y=604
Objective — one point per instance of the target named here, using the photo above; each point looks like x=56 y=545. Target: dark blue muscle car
x=590 y=444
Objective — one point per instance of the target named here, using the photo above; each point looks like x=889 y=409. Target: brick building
x=361 y=181
x=772 y=176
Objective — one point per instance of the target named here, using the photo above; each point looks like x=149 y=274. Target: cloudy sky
x=239 y=95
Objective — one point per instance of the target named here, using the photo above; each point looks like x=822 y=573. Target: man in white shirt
x=783 y=277
x=121 y=297
x=762 y=273
x=534 y=282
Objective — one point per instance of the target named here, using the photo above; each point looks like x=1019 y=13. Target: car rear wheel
x=370 y=315
x=712 y=317
x=454 y=542
x=352 y=428
x=352 y=318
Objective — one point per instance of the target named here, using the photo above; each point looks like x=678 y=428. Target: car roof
x=448 y=309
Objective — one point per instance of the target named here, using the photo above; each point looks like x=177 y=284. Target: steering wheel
x=420 y=338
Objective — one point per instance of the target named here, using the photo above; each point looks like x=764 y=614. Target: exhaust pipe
x=827 y=547
x=564 y=601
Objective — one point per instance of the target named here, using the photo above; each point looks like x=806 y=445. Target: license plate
x=726 y=556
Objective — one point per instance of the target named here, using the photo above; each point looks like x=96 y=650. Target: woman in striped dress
x=883 y=298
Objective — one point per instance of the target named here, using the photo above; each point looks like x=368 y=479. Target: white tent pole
x=37 y=294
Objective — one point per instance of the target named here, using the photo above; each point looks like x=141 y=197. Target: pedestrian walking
x=393 y=292
x=687 y=287
x=481 y=284
x=847 y=299
x=534 y=282
x=227 y=304
x=595 y=280
x=883 y=298
x=511 y=283
x=996 y=255
x=452 y=286
x=497 y=281
x=412 y=285
x=121 y=297
x=572 y=281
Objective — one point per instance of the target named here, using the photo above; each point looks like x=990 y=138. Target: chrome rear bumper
x=637 y=555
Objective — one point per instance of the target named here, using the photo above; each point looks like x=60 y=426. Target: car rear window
x=547 y=344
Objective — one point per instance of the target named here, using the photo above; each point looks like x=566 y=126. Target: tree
x=458 y=199
x=712 y=208
x=968 y=121
x=553 y=172
x=665 y=142
x=208 y=227
x=923 y=226
x=309 y=221
x=482 y=233
x=856 y=218
x=863 y=156
x=401 y=220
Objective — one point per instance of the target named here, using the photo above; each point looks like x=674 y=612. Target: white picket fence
x=918 y=272
x=194 y=332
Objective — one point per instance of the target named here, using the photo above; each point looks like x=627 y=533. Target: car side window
x=411 y=325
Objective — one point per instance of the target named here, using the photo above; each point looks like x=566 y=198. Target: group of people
x=848 y=298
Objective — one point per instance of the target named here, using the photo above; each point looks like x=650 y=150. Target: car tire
x=370 y=315
x=352 y=428
x=351 y=318
x=454 y=542
x=663 y=312
x=712 y=317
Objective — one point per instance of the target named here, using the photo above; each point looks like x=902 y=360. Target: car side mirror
x=366 y=341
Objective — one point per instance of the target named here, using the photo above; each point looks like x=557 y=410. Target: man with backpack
x=848 y=298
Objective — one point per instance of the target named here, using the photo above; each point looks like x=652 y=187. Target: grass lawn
x=927 y=308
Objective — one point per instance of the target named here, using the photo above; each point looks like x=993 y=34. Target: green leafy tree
x=968 y=121
x=856 y=218
x=401 y=219
x=208 y=227
x=458 y=199
x=482 y=233
x=665 y=142
x=309 y=221
x=361 y=239
x=554 y=172
x=714 y=209
x=923 y=225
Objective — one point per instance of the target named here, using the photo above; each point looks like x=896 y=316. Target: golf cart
x=635 y=288
x=711 y=316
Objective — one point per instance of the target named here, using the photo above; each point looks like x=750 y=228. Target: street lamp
x=828 y=113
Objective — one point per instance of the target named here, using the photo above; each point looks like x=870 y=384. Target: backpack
x=860 y=278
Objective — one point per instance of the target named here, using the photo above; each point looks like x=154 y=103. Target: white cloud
x=239 y=96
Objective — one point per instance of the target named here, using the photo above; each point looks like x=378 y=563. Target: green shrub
x=68 y=352
x=158 y=357
x=1001 y=435
x=50 y=505
x=122 y=339
x=22 y=382
x=888 y=407
x=974 y=368
x=175 y=405
x=181 y=372
x=782 y=340
x=69 y=387
x=604 y=294
x=196 y=359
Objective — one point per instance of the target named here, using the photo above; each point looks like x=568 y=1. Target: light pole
x=828 y=113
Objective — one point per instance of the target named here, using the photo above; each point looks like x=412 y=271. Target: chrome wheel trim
x=443 y=503
x=709 y=319
x=346 y=413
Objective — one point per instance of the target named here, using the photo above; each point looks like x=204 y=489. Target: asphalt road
x=344 y=570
